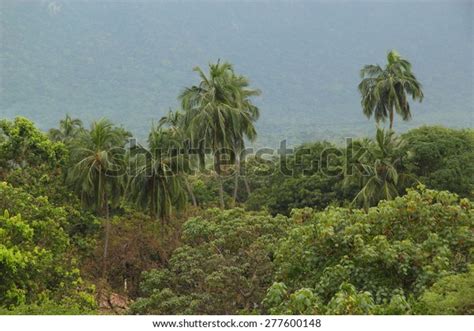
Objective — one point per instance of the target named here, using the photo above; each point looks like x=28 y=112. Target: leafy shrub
x=356 y=262
x=35 y=261
x=453 y=294
x=442 y=158
x=224 y=266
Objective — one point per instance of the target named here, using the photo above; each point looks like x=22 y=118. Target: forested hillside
x=94 y=222
x=102 y=58
x=318 y=255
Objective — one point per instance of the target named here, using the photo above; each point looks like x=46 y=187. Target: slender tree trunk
x=391 y=120
x=202 y=156
x=153 y=200
x=190 y=191
x=217 y=165
x=247 y=186
x=237 y=174
x=106 y=239
x=221 y=193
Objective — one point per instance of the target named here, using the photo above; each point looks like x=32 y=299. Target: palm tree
x=97 y=156
x=385 y=91
x=157 y=183
x=177 y=128
x=379 y=171
x=248 y=115
x=68 y=129
x=218 y=111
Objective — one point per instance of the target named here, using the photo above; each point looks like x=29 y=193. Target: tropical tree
x=23 y=145
x=157 y=182
x=224 y=266
x=381 y=261
x=248 y=114
x=174 y=120
x=218 y=111
x=68 y=129
x=386 y=90
x=98 y=159
x=378 y=170
x=36 y=266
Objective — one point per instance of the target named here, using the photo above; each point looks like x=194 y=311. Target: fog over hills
x=129 y=60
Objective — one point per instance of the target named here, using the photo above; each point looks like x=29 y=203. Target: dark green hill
x=129 y=60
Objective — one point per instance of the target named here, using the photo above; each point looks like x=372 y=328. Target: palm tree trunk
x=237 y=173
x=202 y=156
x=391 y=119
x=153 y=200
x=217 y=166
x=107 y=236
x=190 y=191
x=221 y=193
x=247 y=186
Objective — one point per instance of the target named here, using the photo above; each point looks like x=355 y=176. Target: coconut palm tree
x=386 y=90
x=97 y=155
x=379 y=172
x=219 y=112
x=248 y=115
x=157 y=182
x=174 y=120
x=68 y=129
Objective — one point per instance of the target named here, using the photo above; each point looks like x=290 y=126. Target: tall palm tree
x=385 y=91
x=157 y=183
x=379 y=172
x=68 y=129
x=97 y=156
x=219 y=112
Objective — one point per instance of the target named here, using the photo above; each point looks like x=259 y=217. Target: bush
x=224 y=266
x=35 y=261
x=453 y=294
x=352 y=260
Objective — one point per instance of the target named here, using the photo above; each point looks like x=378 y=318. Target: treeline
x=93 y=221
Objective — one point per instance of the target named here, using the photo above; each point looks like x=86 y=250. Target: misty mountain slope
x=128 y=61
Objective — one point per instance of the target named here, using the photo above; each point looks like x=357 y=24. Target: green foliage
x=41 y=181
x=379 y=171
x=442 y=158
x=365 y=171
x=69 y=128
x=347 y=301
x=302 y=301
x=223 y=267
x=65 y=307
x=392 y=252
x=206 y=190
x=157 y=183
x=297 y=181
x=453 y=295
x=22 y=144
x=219 y=113
x=35 y=261
x=97 y=157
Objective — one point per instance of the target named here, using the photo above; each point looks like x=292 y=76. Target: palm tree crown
x=157 y=183
x=219 y=111
x=385 y=91
x=68 y=129
x=379 y=172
